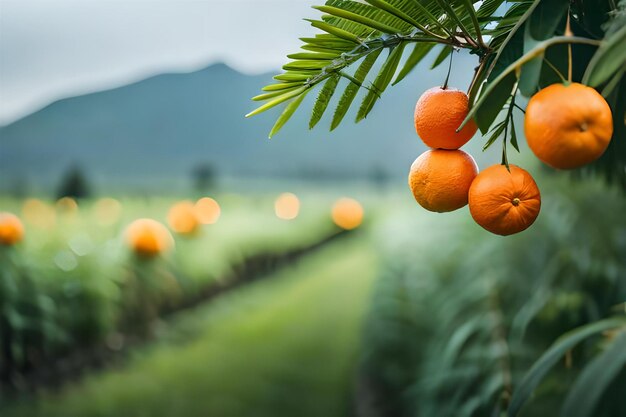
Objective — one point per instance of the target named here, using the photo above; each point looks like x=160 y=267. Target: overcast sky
x=51 y=49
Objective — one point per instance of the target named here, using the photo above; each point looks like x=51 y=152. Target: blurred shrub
x=459 y=317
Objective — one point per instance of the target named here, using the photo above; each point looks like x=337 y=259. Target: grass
x=284 y=346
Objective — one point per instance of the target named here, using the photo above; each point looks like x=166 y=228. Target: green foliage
x=70 y=287
x=514 y=43
x=266 y=350
x=467 y=325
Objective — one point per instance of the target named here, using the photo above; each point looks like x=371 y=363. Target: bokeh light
x=38 y=213
x=347 y=213
x=182 y=218
x=287 y=206
x=11 y=229
x=107 y=211
x=147 y=237
x=67 y=206
x=208 y=210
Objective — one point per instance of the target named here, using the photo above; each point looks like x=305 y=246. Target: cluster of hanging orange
x=566 y=126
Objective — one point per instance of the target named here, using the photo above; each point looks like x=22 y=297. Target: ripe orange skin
x=440 y=179
x=148 y=238
x=568 y=126
x=504 y=202
x=11 y=229
x=438 y=114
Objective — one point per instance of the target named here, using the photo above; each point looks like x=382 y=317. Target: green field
x=414 y=313
x=288 y=345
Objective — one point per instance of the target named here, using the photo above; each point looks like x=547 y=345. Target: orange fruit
x=568 y=126
x=147 y=237
x=440 y=179
x=504 y=202
x=347 y=213
x=183 y=218
x=11 y=229
x=438 y=114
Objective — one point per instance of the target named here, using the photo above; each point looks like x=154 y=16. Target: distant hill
x=158 y=129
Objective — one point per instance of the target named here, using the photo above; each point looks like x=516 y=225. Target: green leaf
x=329 y=42
x=292 y=77
x=488 y=8
x=280 y=86
x=540 y=368
x=323 y=50
x=469 y=9
x=404 y=16
x=287 y=113
x=381 y=82
x=323 y=98
x=545 y=18
x=514 y=136
x=445 y=4
x=314 y=56
x=608 y=59
x=495 y=134
x=492 y=101
x=352 y=89
x=267 y=96
x=340 y=33
x=305 y=65
x=354 y=17
x=502 y=47
x=531 y=71
x=419 y=52
x=277 y=101
x=443 y=54
x=541 y=25
x=586 y=392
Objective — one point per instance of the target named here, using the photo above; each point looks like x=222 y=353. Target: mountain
x=159 y=129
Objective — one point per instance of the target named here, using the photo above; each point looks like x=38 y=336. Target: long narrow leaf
x=609 y=58
x=469 y=8
x=584 y=396
x=401 y=15
x=292 y=77
x=277 y=101
x=287 y=113
x=305 y=65
x=279 y=86
x=381 y=82
x=314 y=56
x=443 y=54
x=566 y=342
x=354 y=17
x=340 y=33
x=352 y=89
x=267 y=96
x=419 y=52
x=323 y=98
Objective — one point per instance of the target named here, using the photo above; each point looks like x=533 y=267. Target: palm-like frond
x=511 y=40
x=353 y=31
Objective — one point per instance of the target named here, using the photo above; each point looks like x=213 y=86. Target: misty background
x=144 y=95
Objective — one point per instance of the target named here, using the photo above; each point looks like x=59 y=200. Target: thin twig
x=568 y=32
x=555 y=69
x=445 y=83
x=519 y=108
